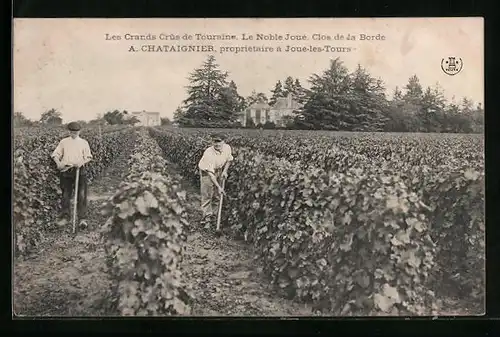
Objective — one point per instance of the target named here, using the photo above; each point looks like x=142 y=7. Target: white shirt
x=213 y=160
x=72 y=151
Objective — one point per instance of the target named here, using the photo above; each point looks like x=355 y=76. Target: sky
x=69 y=65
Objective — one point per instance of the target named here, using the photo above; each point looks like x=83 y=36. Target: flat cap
x=217 y=137
x=74 y=126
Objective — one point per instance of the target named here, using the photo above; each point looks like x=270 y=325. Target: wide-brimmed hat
x=74 y=126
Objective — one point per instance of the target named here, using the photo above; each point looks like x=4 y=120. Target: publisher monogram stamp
x=451 y=65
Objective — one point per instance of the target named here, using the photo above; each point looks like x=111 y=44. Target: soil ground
x=68 y=277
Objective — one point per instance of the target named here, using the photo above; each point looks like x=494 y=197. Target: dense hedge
x=30 y=138
x=353 y=242
x=445 y=171
x=395 y=148
x=36 y=189
x=144 y=237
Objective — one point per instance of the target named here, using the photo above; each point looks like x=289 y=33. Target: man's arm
x=206 y=165
x=87 y=154
x=226 y=167
x=58 y=153
x=214 y=179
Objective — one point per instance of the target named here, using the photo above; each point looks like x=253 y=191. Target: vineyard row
x=36 y=190
x=352 y=240
x=144 y=238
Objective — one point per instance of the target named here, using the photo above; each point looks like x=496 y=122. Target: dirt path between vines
x=68 y=276
x=222 y=274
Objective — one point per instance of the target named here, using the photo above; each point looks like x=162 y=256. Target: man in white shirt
x=70 y=153
x=213 y=168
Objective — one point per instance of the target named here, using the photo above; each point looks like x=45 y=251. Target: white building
x=147 y=118
x=261 y=112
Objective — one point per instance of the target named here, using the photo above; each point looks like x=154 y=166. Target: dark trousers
x=67 y=183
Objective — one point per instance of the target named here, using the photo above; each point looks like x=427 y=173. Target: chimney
x=289 y=100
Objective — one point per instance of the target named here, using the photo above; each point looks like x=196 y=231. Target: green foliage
x=292 y=87
x=212 y=101
x=20 y=120
x=434 y=167
x=457 y=207
x=413 y=90
x=355 y=101
x=250 y=124
x=289 y=87
x=165 y=121
x=315 y=220
x=117 y=117
x=269 y=125
x=419 y=110
x=339 y=100
x=256 y=97
x=144 y=237
x=27 y=231
x=277 y=92
x=36 y=184
x=51 y=117
x=435 y=182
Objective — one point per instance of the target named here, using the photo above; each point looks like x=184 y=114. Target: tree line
x=337 y=99
x=53 y=117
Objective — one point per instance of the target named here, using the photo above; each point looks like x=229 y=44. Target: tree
x=20 y=120
x=289 y=121
x=368 y=105
x=412 y=104
x=82 y=122
x=239 y=101
x=51 y=117
x=256 y=97
x=455 y=121
x=403 y=116
x=131 y=121
x=413 y=91
x=467 y=107
x=206 y=82
x=334 y=81
x=229 y=104
x=99 y=120
x=398 y=95
x=277 y=92
x=328 y=103
x=165 y=121
x=299 y=93
x=250 y=124
x=114 y=117
x=478 y=119
x=204 y=96
x=432 y=107
x=289 y=87
x=178 y=114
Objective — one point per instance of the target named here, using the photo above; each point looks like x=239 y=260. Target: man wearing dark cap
x=213 y=168
x=73 y=152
